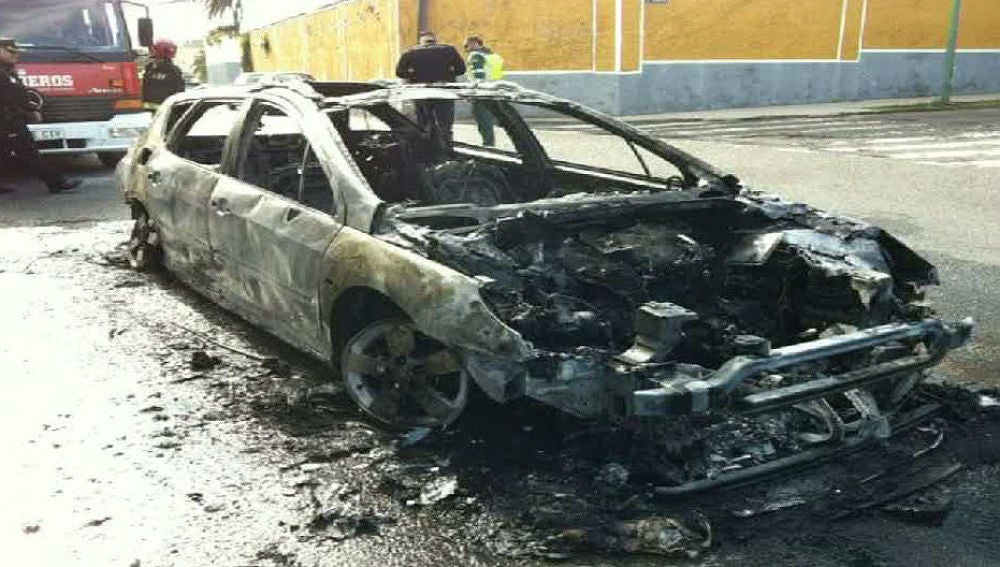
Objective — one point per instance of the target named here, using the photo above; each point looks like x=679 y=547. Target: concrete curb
x=799 y=111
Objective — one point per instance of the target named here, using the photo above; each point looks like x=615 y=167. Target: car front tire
x=402 y=377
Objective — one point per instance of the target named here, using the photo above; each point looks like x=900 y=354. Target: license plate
x=49 y=134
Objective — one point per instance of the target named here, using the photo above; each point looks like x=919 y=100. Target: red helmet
x=164 y=49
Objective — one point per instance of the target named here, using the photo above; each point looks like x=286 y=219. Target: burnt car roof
x=328 y=93
x=347 y=94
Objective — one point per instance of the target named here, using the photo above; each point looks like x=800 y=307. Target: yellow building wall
x=357 y=40
x=854 y=15
x=604 y=39
x=744 y=29
x=362 y=39
x=923 y=24
x=530 y=35
x=409 y=20
x=631 y=31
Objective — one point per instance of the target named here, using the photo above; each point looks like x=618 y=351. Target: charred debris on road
x=535 y=482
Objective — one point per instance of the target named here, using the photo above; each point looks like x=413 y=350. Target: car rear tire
x=402 y=377
x=110 y=159
x=144 y=252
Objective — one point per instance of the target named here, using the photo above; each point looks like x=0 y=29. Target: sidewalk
x=824 y=109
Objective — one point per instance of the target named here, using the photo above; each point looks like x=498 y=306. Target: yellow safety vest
x=494 y=66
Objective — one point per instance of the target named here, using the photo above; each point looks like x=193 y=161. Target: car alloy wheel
x=404 y=378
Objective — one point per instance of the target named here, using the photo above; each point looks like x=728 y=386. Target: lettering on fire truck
x=47 y=81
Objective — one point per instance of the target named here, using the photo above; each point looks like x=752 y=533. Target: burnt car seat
x=465 y=181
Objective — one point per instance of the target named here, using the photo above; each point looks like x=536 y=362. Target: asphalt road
x=123 y=446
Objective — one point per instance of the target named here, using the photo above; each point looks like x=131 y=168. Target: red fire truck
x=78 y=59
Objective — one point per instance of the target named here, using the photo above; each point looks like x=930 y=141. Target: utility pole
x=949 y=55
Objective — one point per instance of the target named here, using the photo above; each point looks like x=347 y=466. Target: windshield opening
x=486 y=152
x=77 y=24
x=573 y=145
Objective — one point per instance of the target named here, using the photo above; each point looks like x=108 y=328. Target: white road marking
x=698 y=127
x=984 y=163
x=818 y=127
x=945 y=154
x=880 y=140
x=939 y=138
x=872 y=137
x=730 y=124
x=978 y=164
x=931 y=145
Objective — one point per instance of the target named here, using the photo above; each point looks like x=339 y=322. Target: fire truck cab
x=78 y=59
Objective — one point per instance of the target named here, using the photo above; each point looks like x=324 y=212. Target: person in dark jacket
x=161 y=77
x=432 y=62
x=18 y=107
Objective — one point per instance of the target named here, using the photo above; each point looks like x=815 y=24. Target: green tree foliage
x=219 y=7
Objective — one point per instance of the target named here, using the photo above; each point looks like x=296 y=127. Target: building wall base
x=703 y=85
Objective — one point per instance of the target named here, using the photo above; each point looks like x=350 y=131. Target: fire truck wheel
x=110 y=159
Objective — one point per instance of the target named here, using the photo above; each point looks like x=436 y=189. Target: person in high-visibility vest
x=482 y=65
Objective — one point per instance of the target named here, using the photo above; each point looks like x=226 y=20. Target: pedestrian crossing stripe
x=869 y=136
x=878 y=138
x=971 y=139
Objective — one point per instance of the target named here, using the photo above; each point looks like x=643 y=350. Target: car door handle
x=221 y=207
x=153 y=176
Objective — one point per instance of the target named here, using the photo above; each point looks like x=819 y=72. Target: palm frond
x=218 y=7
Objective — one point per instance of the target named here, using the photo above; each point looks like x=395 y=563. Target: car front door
x=273 y=217
x=180 y=180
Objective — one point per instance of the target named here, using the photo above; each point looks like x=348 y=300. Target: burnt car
x=542 y=250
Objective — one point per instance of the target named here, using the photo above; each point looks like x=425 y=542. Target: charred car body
x=576 y=261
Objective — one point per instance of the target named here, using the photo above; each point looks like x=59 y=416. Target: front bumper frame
x=716 y=390
x=94 y=136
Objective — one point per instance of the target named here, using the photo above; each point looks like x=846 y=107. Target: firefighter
x=161 y=77
x=482 y=65
x=432 y=62
x=18 y=107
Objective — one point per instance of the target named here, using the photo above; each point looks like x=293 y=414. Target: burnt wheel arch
x=143 y=251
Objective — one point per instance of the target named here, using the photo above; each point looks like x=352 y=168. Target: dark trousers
x=437 y=115
x=484 y=121
x=17 y=148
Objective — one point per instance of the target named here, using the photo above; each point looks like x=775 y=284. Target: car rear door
x=180 y=179
x=273 y=217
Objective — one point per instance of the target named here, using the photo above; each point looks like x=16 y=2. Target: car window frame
x=238 y=139
x=609 y=128
x=195 y=112
x=167 y=127
x=523 y=149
